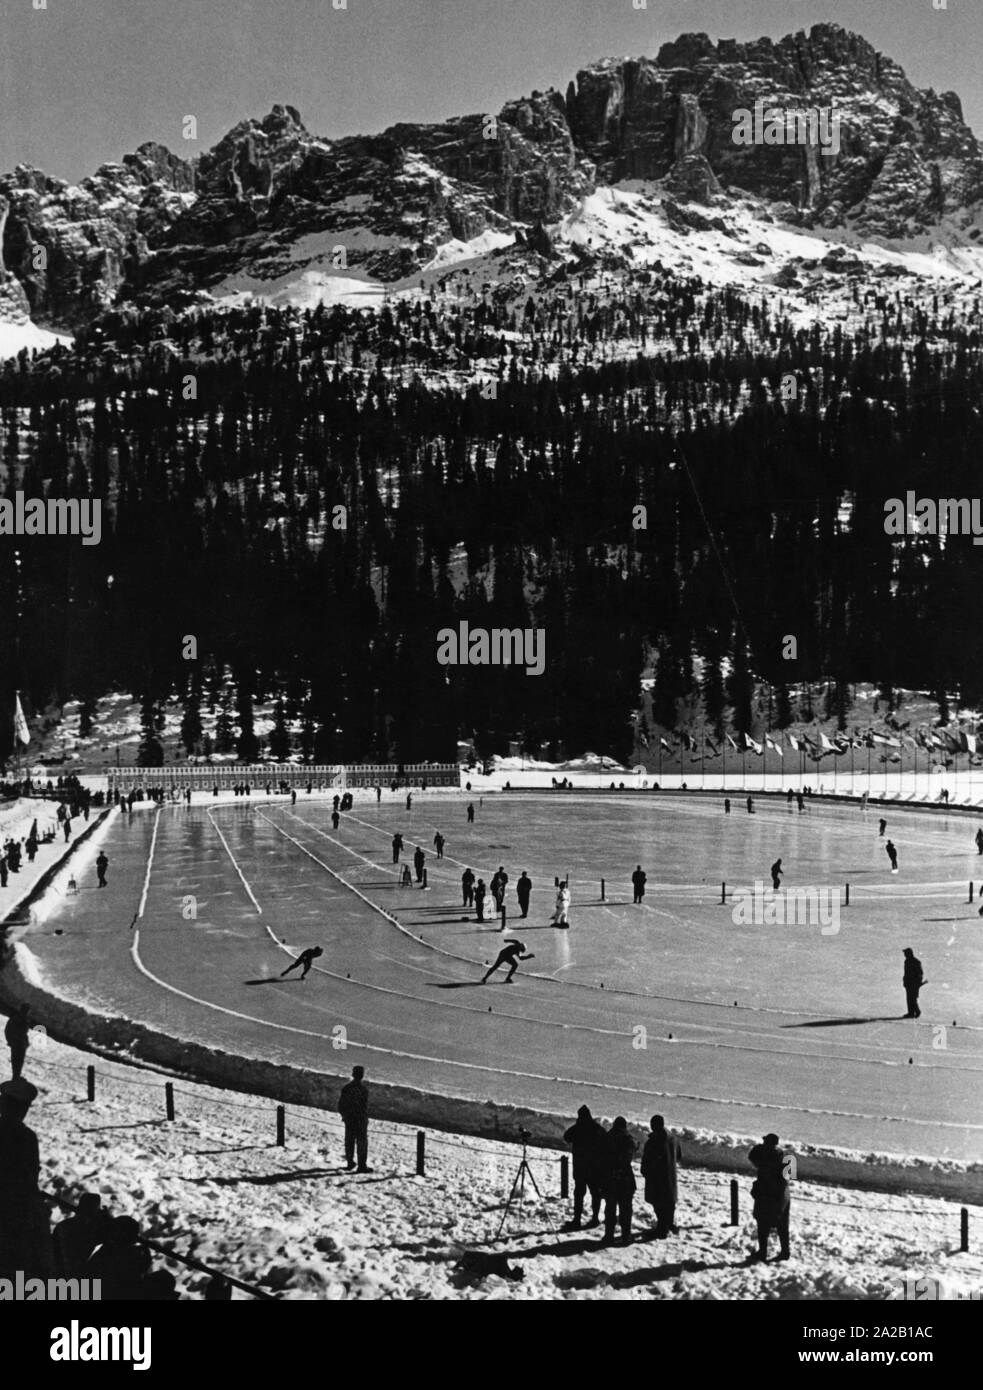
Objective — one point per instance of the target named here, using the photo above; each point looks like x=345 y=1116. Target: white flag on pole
x=21 y=731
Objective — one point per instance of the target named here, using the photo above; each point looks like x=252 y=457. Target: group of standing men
x=603 y=1167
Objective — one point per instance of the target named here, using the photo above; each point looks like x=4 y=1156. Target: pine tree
x=86 y=710
x=191 y=726
x=247 y=744
x=280 y=735
x=224 y=729
x=149 y=752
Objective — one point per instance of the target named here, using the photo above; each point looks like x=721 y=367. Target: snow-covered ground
x=15 y=335
x=214 y=1184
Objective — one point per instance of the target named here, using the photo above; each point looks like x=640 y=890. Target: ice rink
x=669 y=1006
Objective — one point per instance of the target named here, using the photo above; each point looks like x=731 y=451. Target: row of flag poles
x=815 y=747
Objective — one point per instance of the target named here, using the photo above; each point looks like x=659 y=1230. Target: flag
x=970 y=742
x=770 y=743
x=21 y=731
x=793 y=741
x=666 y=746
x=751 y=746
x=714 y=750
x=825 y=744
x=733 y=744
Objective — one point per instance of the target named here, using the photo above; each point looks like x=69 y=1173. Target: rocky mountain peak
x=270 y=197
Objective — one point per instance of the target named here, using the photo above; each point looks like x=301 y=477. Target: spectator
x=619 y=1181
x=17 y=1034
x=77 y=1237
x=120 y=1262
x=588 y=1140
x=772 y=1202
x=353 y=1107
x=659 y=1159
x=25 y=1241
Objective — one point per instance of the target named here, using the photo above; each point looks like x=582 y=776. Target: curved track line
x=538 y=1076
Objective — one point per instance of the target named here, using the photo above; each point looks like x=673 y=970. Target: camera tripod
x=519 y=1185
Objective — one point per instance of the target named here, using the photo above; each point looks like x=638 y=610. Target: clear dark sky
x=85 y=81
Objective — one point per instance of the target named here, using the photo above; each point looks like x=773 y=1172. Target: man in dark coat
x=772 y=1200
x=467 y=887
x=776 y=875
x=17 y=1033
x=25 y=1240
x=419 y=858
x=619 y=1181
x=638 y=881
x=102 y=864
x=499 y=882
x=892 y=854
x=913 y=979
x=588 y=1140
x=523 y=891
x=659 y=1159
x=353 y=1107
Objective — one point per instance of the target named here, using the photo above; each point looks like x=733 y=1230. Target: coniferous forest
x=312 y=495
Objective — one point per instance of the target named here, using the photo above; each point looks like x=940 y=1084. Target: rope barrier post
x=723 y=894
x=565 y=1176
x=970 y=890
x=847 y=902
x=602 y=890
x=424 y=876
x=421 y=1153
x=281 y=1125
x=169 y=1099
x=964 y=1229
x=90 y=1083
x=734 y=1199
x=504 y=916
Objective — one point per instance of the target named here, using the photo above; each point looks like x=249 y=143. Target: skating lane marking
x=150 y=862
x=537 y=1076
x=235 y=865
